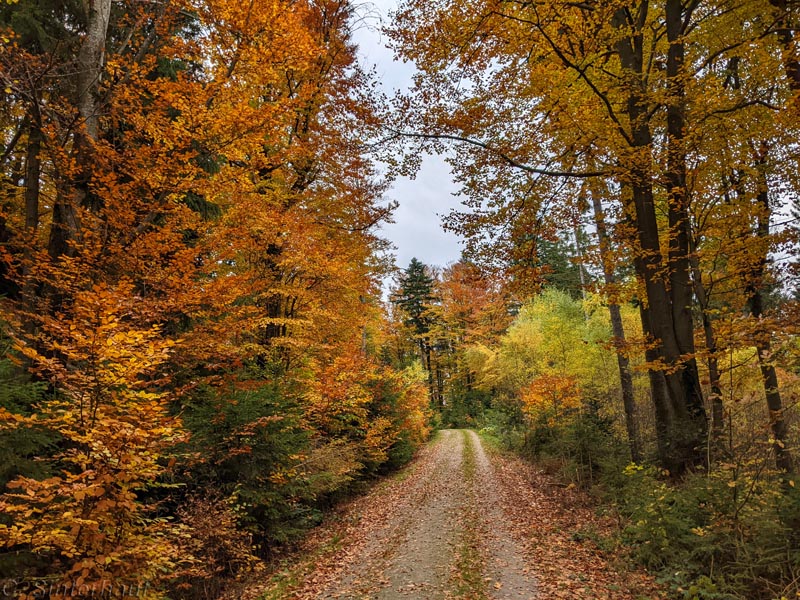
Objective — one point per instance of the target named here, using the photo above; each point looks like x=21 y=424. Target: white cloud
x=417 y=231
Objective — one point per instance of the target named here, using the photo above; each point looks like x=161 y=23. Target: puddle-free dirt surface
x=446 y=537
x=460 y=522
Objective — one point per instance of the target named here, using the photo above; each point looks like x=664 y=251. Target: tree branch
x=502 y=155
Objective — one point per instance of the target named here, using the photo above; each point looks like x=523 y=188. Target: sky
x=417 y=231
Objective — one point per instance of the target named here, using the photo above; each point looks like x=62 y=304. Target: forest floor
x=461 y=521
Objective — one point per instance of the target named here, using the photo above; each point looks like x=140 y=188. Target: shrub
x=723 y=534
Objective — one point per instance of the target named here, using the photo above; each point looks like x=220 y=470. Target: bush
x=726 y=534
x=248 y=444
x=220 y=552
x=465 y=409
x=731 y=533
x=282 y=454
x=22 y=450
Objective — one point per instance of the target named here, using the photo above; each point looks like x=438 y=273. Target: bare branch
x=500 y=154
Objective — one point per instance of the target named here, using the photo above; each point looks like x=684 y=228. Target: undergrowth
x=731 y=532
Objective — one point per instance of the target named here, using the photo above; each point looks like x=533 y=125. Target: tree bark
x=32 y=178
x=618 y=331
x=680 y=416
x=90 y=63
x=426 y=357
x=66 y=221
x=33 y=168
x=717 y=404
x=783 y=455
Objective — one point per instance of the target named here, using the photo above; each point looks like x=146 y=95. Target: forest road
x=437 y=532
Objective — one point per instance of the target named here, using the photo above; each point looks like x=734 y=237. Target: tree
x=560 y=93
x=188 y=227
x=415 y=298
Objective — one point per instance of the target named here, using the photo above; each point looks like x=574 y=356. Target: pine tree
x=415 y=297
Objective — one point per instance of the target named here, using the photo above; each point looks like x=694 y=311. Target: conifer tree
x=415 y=297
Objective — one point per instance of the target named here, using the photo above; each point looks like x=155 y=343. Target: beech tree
x=540 y=97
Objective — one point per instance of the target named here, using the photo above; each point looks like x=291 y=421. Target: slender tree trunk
x=32 y=178
x=426 y=357
x=678 y=17
x=439 y=385
x=717 y=404
x=581 y=271
x=783 y=455
x=33 y=168
x=618 y=330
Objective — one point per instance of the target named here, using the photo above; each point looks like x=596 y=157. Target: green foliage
x=246 y=443
x=727 y=534
x=253 y=442
x=553 y=334
x=560 y=261
x=415 y=296
x=20 y=447
x=42 y=25
x=465 y=408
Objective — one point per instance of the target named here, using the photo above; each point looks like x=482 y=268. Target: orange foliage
x=216 y=212
x=551 y=396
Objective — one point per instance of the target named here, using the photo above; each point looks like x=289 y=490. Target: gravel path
x=460 y=522
x=445 y=538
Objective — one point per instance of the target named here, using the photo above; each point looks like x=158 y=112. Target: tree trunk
x=439 y=385
x=678 y=18
x=426 y=357
x=90 y=63
x=717 y=404
x=33 y=168
x=680 y=416
x=66 y=222
x=617 y=329
x=32 y=178
x=783 y=455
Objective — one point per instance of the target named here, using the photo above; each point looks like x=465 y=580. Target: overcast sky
x=417 y=231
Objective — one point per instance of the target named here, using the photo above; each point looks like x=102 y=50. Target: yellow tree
x=541 y=96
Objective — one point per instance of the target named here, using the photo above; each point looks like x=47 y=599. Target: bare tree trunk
x=32 y=178
x=783 y=455
x=33 y=168
x=618 y=331
x=426 y=357
x=678 y=17
x=439 y=385
x=717 y=404
x=90 y=63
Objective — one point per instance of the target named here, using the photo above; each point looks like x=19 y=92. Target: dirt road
x=460 y=523
x=445 y=539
